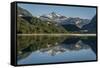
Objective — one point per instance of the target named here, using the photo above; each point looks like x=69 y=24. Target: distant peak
x=53 y=13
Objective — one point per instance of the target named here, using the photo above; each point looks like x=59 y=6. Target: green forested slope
x=29 y=24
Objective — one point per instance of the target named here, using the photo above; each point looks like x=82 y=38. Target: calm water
x=51 y=49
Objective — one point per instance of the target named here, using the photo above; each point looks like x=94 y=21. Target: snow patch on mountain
x=63 y=20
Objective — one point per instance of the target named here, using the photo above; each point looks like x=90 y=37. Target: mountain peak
x=63 y=20
x=53 y=13
x=53 y=16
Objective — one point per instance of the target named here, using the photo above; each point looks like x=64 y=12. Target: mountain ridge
x=63 y=20
x=26 y=23
x=52 y=23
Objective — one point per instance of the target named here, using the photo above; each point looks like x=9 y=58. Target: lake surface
x=51 y=49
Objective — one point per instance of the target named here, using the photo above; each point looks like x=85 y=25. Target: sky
x=68 y=11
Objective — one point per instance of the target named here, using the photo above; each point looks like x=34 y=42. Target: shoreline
x=56 y=34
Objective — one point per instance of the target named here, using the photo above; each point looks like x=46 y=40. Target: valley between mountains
x=53 y=23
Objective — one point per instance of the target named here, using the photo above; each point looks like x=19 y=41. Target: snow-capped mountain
x=63 y=20
x=53 y=17
x=76 y=21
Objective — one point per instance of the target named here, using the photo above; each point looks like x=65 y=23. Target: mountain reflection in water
x=50 y=49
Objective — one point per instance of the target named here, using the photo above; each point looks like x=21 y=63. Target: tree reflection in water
x=52 y=45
